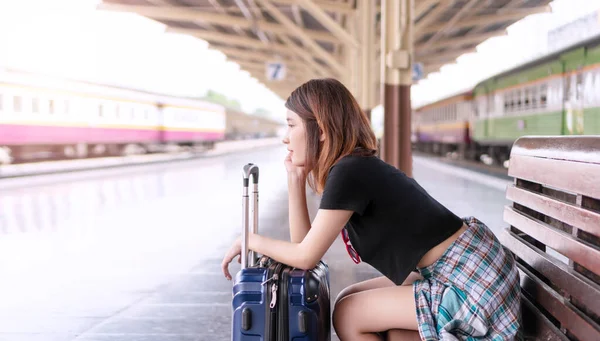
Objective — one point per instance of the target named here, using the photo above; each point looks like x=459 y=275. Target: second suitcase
x=273 y=301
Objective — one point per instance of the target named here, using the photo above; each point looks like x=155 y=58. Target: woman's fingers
x=225 y=265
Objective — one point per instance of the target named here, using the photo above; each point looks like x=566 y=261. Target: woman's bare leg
x=402 y=335
x=374 y=283
x=370 y=285
x=388 y=308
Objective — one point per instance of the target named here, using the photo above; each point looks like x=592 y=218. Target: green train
x=558 y=94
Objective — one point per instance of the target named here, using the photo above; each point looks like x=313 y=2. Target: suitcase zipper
x=273 y=296
x=271 y=311
x=283 y=323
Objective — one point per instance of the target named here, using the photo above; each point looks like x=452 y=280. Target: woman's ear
x=321 y=135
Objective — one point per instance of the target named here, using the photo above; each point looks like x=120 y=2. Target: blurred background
x=122 y=144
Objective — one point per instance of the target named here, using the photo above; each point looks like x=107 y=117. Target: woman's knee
x=342 y=316
x=378 y=282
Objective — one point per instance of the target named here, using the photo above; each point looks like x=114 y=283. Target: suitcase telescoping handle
x=249 y=170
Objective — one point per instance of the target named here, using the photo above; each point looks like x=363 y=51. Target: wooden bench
x=554 y=234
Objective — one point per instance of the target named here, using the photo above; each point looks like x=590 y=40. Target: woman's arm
x=298 y=210
x=305 y=254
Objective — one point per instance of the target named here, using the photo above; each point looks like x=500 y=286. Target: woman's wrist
x=295 y=178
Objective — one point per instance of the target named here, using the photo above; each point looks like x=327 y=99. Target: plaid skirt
x=471 y=292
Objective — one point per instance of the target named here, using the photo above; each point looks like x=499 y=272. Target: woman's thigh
x=388 y=308
x=375 y=283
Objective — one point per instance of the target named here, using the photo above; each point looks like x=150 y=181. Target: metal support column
x=396 y=76
x=366 y=10
x=351 y=58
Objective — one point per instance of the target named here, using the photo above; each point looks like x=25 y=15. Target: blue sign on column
x=417 y=71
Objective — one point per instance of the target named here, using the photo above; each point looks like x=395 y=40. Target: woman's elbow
x=307 y=262
x=307 y=259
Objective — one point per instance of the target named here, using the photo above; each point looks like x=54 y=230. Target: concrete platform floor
x=135 y=255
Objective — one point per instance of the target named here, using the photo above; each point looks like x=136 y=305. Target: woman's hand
x=295 y=171
x=235 y=250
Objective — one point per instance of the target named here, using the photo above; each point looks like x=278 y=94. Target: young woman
x=444 y=278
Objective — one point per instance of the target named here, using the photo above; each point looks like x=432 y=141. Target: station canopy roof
x=314 y=38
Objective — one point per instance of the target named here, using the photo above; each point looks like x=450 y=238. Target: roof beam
x=298 y=16
x=189 y=14
x=282 y=89
x=423 y=6
x=328 y=22
x=223 y=38
x=434 y=67
x=289 y=77
x=295 y=61
x=445 y=57
x=297 y=31
x=318 y=68
x=343 y=8
x=424 y=22
x=468 y=39
x=290 y=66
x=447 y=25
x=488 y=20
x=258 y=53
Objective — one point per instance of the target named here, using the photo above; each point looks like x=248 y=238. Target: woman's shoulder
x=357 y=168
x=361 y=160
x=354 y=161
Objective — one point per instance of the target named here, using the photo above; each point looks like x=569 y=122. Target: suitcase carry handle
x=249 y=170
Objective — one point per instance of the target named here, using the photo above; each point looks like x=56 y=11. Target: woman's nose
x=285 y=140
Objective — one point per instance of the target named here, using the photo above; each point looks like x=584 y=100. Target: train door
x=573 y=104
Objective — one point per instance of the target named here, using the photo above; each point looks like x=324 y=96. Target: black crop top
x=395 y=221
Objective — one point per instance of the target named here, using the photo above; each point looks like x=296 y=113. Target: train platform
x=136 y=255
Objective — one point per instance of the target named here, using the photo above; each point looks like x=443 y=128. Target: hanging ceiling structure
x=314 y=38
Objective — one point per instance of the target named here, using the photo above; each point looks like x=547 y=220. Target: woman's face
x=295 y=138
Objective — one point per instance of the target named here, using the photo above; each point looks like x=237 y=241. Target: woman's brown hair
x=326 y=105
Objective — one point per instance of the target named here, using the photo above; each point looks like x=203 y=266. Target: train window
x=1 y=102
x=17 y=104
x=587 y=88
x=544 y=95
x=35 y=105
x=146 y=115
x=511 y=101
x=51 y=107
x=579 y=86
x=117 y=111
x=453 y=115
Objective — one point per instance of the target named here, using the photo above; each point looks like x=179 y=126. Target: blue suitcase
x=273 y=301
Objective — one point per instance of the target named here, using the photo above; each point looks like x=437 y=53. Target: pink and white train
x=44 y=118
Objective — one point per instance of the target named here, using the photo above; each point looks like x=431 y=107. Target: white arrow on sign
x=275 y=71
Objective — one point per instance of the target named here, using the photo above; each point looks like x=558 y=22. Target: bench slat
x=579 y=148
x=557 y=306
x=575 y=216
x=558 y=240
x=536 y=326
x=582 y=291
x=582 y=178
